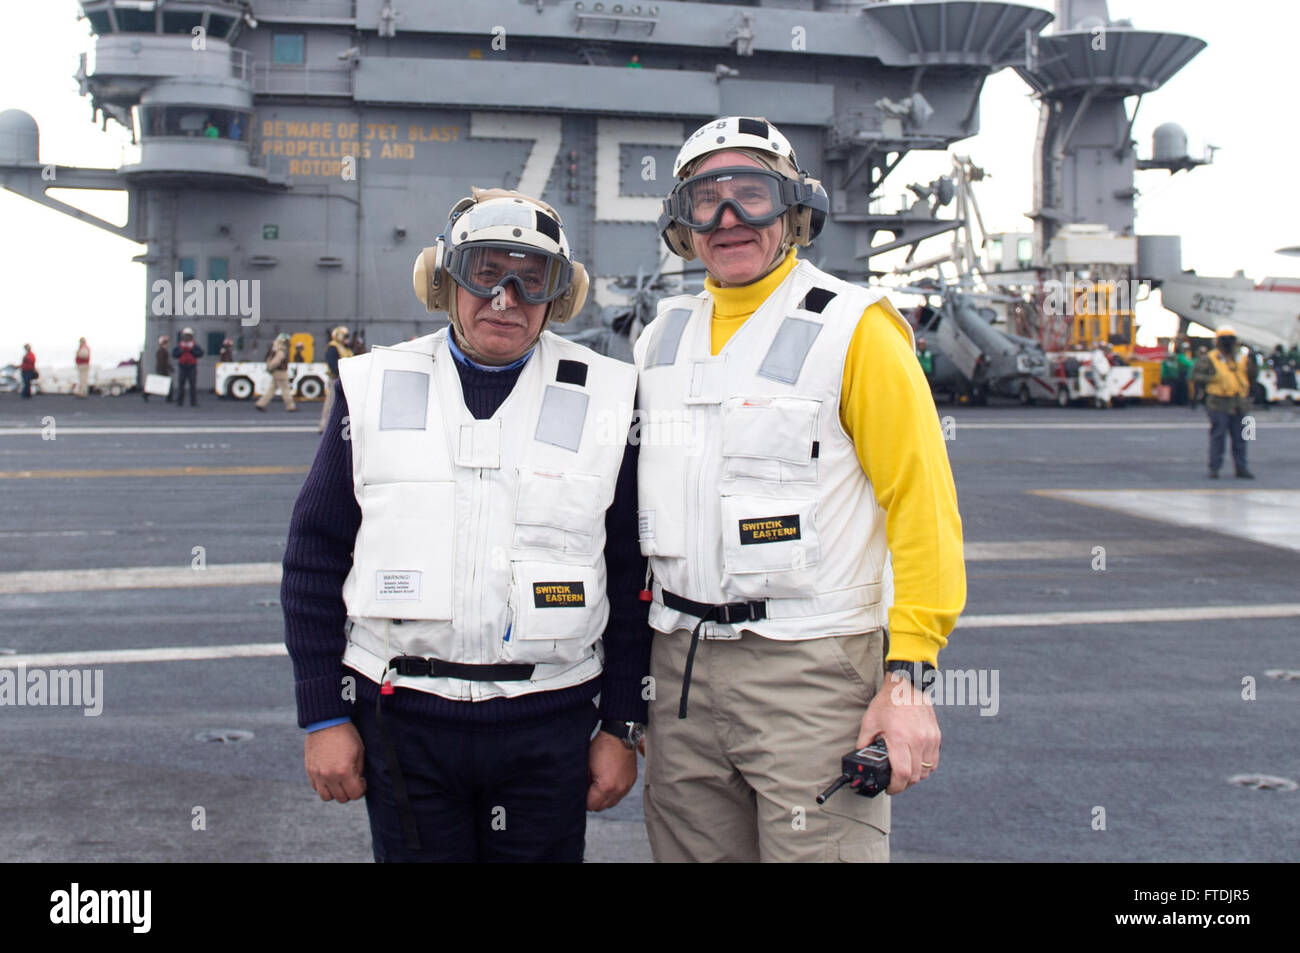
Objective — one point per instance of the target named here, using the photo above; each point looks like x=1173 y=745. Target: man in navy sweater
x=457 y=566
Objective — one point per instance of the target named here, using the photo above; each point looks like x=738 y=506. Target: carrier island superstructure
x=313 y=146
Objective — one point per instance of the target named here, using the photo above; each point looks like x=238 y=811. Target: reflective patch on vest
x=404 y=400
x=397 y=586
x=663 y=349
x=770 y=529
x=563 y=416
x=785 y=358
x=556 y=595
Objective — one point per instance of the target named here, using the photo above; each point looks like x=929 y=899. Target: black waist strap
x=727 y=613
x=436 y=668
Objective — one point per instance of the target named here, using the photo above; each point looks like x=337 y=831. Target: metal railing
x=893 y=203
x=290 y=80
x=241 y=65
x=336 y=9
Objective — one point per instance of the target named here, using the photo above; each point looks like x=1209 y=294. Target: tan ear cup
x=579 y=290
x=571 y=302
x=679 y=241
x=432 y=288
x=800 y=218
x=800 y=226
x=420 y=276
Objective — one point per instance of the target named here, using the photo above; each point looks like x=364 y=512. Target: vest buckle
x=733 y=612
x=410 y=665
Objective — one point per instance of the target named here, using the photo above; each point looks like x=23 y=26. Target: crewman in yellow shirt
x=789 y=453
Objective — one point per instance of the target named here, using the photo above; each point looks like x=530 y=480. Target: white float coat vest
x=486 y=538
x=749 y=488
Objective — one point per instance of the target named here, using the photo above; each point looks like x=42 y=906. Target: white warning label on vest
x=397 y=585
x=645 y=524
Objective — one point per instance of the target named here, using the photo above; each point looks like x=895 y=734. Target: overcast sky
x=60 y=279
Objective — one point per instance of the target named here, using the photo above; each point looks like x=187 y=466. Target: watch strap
x=628 y=732
x=916 y=672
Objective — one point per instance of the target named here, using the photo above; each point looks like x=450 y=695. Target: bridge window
x=181 y=22
x=220 y=26
x=186 y=267
x=1025 y=252
x=134 y=21
x=995 y=253
x=218 y=269
x=195 y=121
x=288 y=48
x=99 y=22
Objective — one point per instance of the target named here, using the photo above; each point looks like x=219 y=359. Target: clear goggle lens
x=754 y=195
x=485 y=268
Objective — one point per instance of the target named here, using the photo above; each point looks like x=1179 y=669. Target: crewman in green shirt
x=926 y=357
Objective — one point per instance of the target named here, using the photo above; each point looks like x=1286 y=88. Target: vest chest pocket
x=557 y=512
x=770 y=439
x=404 y=550
x=661 y=501
x=770 y=547
x=554 y=609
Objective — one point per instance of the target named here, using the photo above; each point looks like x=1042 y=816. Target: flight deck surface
x=1123 y=618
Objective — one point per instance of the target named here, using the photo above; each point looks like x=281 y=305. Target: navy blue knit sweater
x=318 y=557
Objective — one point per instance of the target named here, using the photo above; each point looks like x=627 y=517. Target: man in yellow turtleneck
x=811 y=459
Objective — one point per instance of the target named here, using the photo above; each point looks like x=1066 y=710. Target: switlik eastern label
x=553 y=595
x=770 y=529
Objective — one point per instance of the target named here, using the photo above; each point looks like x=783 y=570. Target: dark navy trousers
x=1222 y=426
x=187 y=374
x=489 y=793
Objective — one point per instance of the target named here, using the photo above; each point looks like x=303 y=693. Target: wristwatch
x=628 y=732
x=915 y=672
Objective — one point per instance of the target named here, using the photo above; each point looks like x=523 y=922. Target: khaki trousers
x=767 y=724
x=279 y=385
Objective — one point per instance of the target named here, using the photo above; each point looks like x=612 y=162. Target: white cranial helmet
x=803 y=197
x=524 y=228
x=737 y=133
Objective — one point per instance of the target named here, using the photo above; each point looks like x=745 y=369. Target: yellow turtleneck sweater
x=888 y=412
